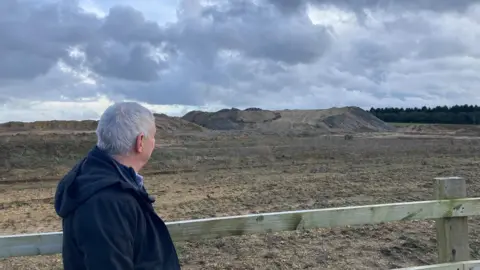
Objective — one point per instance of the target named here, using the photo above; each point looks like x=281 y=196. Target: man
x=108 y=219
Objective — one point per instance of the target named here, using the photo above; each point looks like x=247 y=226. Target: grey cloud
x=33 y=38
x=435 y=47
x=52 y=86
x=127 y=25
x=159 y=10
x=241 y=53
x=257 y=31
x=126 y=62
x=359 y=6
x=433 y=5
x=174 y=89
x=289 y=7
x=125 y=47
x=375 y=54
x=259 y=39
x=369 y=59
x=11 y=68
x=120 y=47
x=418 y=25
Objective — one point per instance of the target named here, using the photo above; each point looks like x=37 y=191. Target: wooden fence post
x=452 y=233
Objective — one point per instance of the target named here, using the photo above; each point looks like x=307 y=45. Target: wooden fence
x=450 y=210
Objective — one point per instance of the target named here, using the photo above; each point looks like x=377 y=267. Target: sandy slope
x=347 y=119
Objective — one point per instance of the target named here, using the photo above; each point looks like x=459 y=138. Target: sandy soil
x=344 y=119
x=197 y=177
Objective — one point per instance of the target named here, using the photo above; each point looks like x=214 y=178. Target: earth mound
x=231 y=119
x=346 y=119
x=163 y=122
x=175 y=124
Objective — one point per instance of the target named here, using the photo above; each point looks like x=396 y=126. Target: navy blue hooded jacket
x=108 y=219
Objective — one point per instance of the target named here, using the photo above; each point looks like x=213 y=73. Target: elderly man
x=108 y=219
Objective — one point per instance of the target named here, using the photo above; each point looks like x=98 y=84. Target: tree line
x=457 y=114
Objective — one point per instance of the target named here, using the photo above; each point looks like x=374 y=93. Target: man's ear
x=139 y=143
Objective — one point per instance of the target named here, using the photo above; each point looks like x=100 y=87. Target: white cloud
x=92 y=7
x=191 y=54
x=160 y=11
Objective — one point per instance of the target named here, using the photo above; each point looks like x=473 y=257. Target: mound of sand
x=231 y=119
x=175 y=124
x=347 y=119
x=164 y=123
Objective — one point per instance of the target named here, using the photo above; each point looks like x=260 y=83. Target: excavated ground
x=221 y=175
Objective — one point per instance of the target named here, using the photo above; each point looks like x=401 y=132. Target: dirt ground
x=226 y=174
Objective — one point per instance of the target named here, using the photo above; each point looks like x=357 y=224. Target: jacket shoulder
x=111 y=196
x=109 y=208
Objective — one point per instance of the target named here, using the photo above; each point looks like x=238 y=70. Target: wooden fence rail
x=450 y=210
x=465 y=265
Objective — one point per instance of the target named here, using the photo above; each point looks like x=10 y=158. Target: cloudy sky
x=70 y=59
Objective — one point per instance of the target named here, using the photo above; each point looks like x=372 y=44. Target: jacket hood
x=95 y=172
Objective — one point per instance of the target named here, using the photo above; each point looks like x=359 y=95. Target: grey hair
x=120 y=125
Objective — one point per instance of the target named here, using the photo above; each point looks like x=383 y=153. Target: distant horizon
x=171 y=115
x=226 y=108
